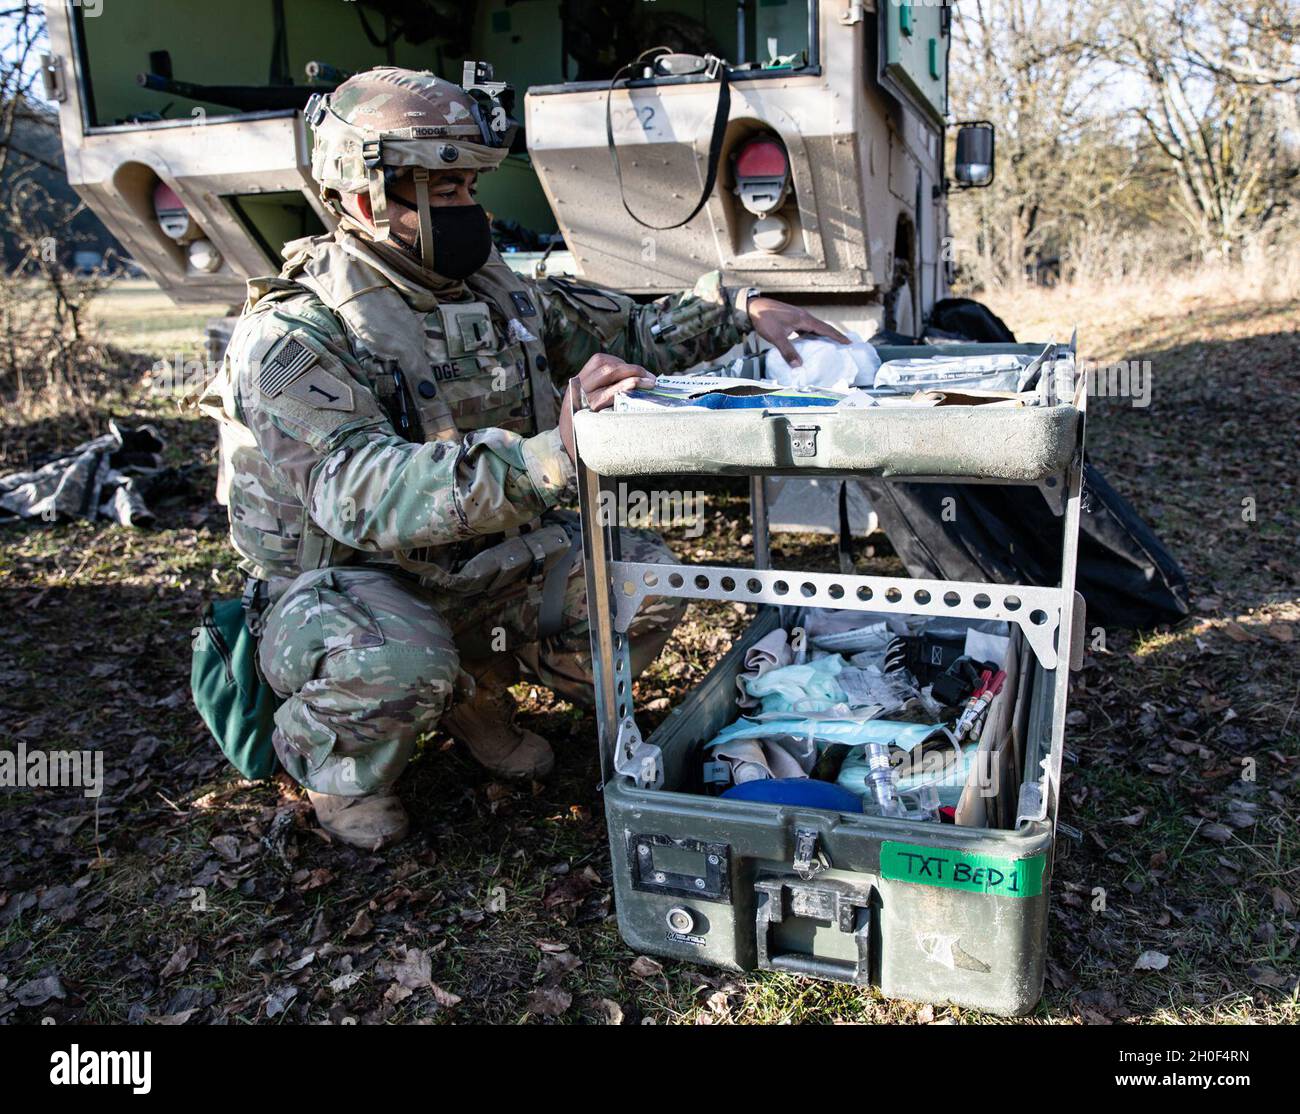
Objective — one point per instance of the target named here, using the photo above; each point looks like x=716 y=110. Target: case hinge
x=639 y=760
x=852 y=13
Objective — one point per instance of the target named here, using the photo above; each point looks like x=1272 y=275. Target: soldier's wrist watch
x=744 y=296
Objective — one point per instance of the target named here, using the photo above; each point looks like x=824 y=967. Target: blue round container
x=800 y=792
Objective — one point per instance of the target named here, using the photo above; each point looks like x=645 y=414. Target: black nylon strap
x=255 y=603
x=715 y=144
x=846 y=531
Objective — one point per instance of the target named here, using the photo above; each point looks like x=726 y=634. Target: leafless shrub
x=47 y=358
x=49 y=361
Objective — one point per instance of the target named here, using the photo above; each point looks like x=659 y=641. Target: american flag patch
x=291 y=359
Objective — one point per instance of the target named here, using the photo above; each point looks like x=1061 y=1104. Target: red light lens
x=166 y=201
x=762 y=158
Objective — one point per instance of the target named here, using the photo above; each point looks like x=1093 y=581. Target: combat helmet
x=383 y=122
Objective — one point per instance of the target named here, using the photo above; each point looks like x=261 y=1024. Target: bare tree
x=1032 y=67
x=1254 y=44
x=22 y=31
x=1214 y=78
x=45 y=352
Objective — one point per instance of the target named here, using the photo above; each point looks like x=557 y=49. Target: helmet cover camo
x=399 y=120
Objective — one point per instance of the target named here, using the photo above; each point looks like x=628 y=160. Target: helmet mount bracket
x=421 y=176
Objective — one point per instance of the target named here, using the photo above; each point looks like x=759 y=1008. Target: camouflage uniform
x=392 y=467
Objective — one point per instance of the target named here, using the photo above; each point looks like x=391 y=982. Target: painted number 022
x=624 y=119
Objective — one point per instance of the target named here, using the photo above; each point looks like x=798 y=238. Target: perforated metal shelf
x=1037 y=611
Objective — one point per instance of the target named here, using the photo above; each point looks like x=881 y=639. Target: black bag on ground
x=1009 y=535
x=965 y=317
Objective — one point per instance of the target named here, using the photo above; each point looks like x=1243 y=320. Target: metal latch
x=52 y=78
x=808 y=861
x=803 y=439
x=637 y=759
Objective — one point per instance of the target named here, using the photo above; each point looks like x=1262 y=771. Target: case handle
x=846 y=908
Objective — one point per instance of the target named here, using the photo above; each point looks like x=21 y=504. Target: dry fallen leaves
x=564 y=896
x=414 y=970
x=308 y=880
x=37 y=992
x=396 y=992
x=279 y=999
x=181 y=958
x=227 y=846
x=1238 y=633
x=360 y=926
x=609 y=1011
x=1217 y=833
x=555 y=965
x=646 y=968
x=549 y=1001
x=346 y=982
x=444 y=998
x=267 y=952
x=1266 y=976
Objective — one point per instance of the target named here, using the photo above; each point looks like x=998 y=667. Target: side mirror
x=975 y=155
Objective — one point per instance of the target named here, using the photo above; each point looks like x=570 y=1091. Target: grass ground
x=187 y=895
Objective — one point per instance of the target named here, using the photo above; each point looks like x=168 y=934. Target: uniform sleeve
x=322 y=429
x=664 y=336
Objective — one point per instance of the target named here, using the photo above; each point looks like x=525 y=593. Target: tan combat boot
x=366 y=822
x=484 y=722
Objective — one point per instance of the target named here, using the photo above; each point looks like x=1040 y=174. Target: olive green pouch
x=235 y=702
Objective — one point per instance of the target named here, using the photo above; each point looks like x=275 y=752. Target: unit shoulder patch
x=317 y=387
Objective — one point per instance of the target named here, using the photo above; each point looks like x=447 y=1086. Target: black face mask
x=462 y=238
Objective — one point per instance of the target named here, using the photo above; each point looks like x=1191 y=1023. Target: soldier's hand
x=602 y=379
x=774 y=321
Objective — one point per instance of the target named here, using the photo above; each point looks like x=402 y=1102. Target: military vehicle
x=801 y=146
x=811 y=133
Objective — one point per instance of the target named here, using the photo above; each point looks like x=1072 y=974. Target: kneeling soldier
x=396 y=448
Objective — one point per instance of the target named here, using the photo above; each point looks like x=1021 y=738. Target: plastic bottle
x=881 y=778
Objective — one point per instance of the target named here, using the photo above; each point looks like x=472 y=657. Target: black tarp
x=1009 y=535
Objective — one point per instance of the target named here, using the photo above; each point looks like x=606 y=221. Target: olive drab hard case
x=925 y=911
